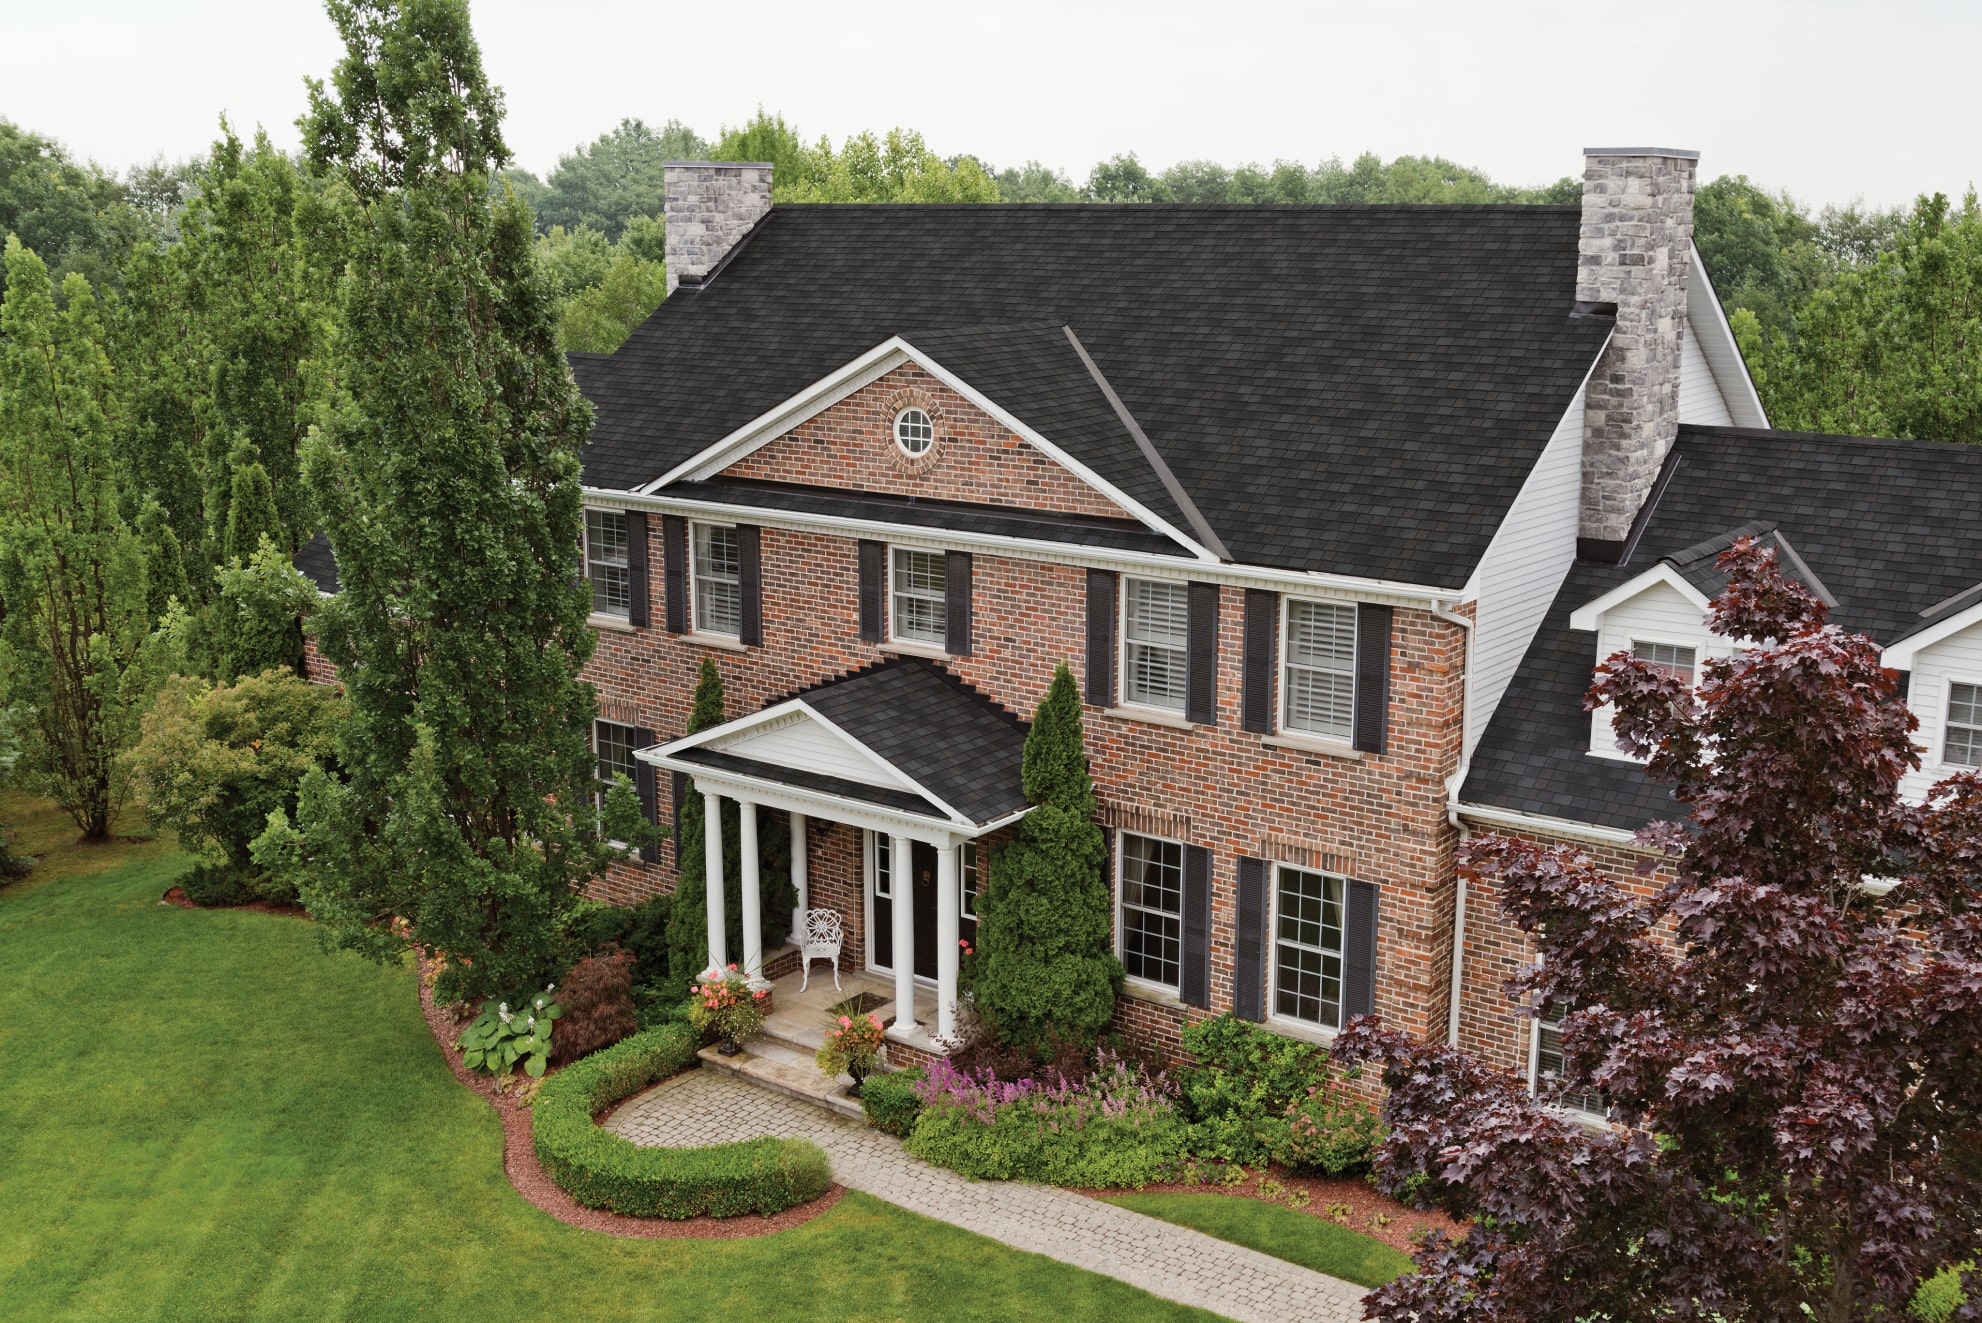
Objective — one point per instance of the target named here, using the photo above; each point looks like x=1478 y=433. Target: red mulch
x=177 y=896
x=519 y=1162
x=1365 y=1205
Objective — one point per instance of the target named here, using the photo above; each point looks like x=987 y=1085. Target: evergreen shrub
x=891 y=1102
x=211 y=885
x=1258 y=1097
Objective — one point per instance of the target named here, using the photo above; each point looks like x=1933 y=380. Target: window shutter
x=643 y=781
x=1195 y=976
x=1101 y=638
x=1249 y=948
x=1372 y=677
x=1262 y=641
x=674 y=563
x=1201 y=656
x=680 y=798
x=636 y=566
x=956 y=604
x=750 y=574
x=873 y=585
x=1359 y=951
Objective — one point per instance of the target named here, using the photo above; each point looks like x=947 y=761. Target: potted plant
x=852 y=1047
x=724 y=1004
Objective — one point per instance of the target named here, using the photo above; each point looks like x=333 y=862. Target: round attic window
x=914 y=433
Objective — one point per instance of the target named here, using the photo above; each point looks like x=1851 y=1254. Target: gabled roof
x=318 y=563
x=1354 y=390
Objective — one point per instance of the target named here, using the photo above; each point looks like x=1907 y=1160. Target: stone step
x=785 y=1068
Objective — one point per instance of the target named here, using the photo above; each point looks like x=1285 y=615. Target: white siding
x=1660 y=614
x=1955 y=658
x=807 y=744
x=1523 y=568
x=1700 y=399
x=1708 y=324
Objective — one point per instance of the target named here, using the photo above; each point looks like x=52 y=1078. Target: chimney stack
x=1635 y=247
x=710 y=206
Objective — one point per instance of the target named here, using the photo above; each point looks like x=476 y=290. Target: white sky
x=1834 y=99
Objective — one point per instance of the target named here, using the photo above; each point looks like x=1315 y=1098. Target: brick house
x=1330 y=509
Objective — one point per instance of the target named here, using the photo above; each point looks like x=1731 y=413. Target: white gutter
x=1535 y=822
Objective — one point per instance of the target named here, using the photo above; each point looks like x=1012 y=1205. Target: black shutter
x=643 y=781
x=750 y=573
x=636 y=566
x=1372 y=677
x=680 y=798
x=1195 y=977
x=1201 y=656
x=873 y=584
x=1101 y=638
x=1249 y=945
x=1359 y=953
x=674 y=564
x=956 y=602
x=1262 y=641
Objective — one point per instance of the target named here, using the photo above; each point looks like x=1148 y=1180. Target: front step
x=786 y=1068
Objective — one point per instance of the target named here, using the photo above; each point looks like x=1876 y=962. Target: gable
x=800 y=740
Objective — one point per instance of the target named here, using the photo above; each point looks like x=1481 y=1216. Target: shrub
x=646 y=936
x=1330 y=1133
x=592 y=927
x=1238 y=1097
x=891 y=1102
x=214 y=885
x=602 y=1170
x=1119 y=1127
x=597 y=997
x=500 y=1037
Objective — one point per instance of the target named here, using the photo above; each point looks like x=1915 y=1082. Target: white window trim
x=1129 y=707
x=1323 y=1033
x=1133 y=980
x=603 y=785
x=965 y=911
x=618 y=618
x=895 y=640
x=1700 y=644
x=1328 y=743
x=695 y=630
x=869 y=892
x=1948 y=682
x=895 y=430
x=1535 y=1075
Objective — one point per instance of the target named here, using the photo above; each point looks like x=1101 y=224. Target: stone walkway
x=702 y=1107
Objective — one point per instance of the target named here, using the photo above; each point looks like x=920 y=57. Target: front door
x=922 y=881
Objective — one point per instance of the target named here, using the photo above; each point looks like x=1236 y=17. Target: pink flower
x=845 y=1023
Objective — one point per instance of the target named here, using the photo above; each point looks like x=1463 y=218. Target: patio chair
x=819 y=940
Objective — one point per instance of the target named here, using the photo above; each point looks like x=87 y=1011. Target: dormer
x=1942 y=657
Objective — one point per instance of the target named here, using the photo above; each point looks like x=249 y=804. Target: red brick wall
x=316 y=667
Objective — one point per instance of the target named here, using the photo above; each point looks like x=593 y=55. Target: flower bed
x=602 y=1170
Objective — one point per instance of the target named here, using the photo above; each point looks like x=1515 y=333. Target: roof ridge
x=1718 y=542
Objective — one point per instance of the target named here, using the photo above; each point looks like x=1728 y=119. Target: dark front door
x=922 y=879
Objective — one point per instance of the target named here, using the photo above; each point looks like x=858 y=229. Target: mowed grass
x=1282 y=1232
x=206 y=1117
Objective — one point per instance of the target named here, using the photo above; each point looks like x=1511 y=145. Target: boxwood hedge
x=601 y=1170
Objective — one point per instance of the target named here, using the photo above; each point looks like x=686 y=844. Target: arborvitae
x=165 y=563
x=1043 y=971
x=251 y=513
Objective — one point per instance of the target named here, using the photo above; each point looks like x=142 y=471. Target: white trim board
x=1901 y=654
x=1708 y=322
x=1590 y=616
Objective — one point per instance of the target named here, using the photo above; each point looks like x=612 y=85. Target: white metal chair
x=820 y=940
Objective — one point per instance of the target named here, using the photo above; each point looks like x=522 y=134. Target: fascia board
x=813 y=803
x=1900 y=654
x=1590 y=616
x=741 y=725
x=1709 y=322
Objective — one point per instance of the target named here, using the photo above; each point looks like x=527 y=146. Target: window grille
x=1963 y=745
x=1155 y=636
x=718 y=581
x=1152 y=891
x=921 y=613
x=605 y=562
x=1307 y=947
x=1319 y=673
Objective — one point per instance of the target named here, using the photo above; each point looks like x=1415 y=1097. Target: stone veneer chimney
x=1636 y=245
x=710 y=206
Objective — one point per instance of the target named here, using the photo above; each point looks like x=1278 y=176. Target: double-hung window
x=920 y=610
x=1152 y=892
x=1155 y=634
x=1962 y=747
x=1318 y=670
x=1546 y=1065
x=718 y=581
x=1666 y=658
x=605 y=562
x=1307 y=946
x=614 y=744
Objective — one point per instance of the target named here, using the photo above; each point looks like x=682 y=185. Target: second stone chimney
x=710 y=206
x=1633 y=254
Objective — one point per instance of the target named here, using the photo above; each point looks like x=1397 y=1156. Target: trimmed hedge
x=601 y=1170
x=890 y=1101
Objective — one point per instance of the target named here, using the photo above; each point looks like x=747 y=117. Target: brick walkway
x=702 y=1107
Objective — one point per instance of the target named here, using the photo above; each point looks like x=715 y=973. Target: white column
x=798 y=879
x=712 y=877
x=753 y=911
x=948 y=897
x=901 y=867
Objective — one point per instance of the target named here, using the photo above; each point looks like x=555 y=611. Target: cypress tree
x=251 y=513
x=165 y=563
x=1043 y=971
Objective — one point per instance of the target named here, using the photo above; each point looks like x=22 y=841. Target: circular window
x=914 y=433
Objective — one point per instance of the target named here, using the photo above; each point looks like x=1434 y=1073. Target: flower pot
x=853 y=1089
x=729 y=1047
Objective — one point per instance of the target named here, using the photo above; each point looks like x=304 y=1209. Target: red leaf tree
x=1788 y=1034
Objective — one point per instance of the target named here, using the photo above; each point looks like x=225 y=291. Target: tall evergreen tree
x=446 y=473
x=164 y=563
x=1043 y=970
x=251 y=512
x=71 y=569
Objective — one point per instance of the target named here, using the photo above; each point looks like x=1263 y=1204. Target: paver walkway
x=702 y=1107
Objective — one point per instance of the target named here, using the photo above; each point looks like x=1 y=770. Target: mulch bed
x=519 y=1163
x=177 y=896
x=1365 y=1205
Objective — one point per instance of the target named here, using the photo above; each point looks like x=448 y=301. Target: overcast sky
x=1832 y=99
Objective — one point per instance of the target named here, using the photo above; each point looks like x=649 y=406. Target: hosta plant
x=500 y=1037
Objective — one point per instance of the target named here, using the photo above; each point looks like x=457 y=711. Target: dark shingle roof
x=1887 y=527
x=318 y=563
x=1360 y=390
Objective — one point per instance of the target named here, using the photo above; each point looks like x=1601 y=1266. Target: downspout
x=1452 y=786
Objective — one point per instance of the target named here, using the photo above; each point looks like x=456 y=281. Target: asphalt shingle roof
x=1360 y=390
x=318 y=563
x=1888 y=527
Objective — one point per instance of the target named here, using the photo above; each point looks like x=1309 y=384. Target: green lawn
x=1282 y=1232
x=205 y=1117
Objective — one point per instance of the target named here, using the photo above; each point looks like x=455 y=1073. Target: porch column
x=753 y=917
x=712 y=878
x=901 y=870
x=798 y=879
x=949 y=897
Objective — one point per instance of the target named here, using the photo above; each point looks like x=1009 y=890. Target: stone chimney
x=710 y=206
x=1636 y=246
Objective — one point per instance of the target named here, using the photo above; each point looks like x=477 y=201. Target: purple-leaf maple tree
x=1788 y=1033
